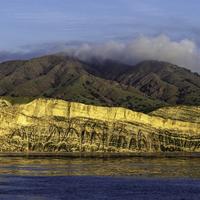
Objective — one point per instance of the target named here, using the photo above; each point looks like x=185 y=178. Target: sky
x=40 y=24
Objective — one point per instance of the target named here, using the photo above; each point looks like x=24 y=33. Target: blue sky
x=27 y=22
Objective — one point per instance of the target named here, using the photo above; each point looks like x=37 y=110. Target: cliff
x=182 y=113
x=50 y=125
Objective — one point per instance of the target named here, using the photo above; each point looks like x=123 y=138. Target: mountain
x=42 y=110
x=164 y=81
x=143 y=87
x=69 y=79
x=50 y=125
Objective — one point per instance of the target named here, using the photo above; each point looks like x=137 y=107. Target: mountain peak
x=143 y=87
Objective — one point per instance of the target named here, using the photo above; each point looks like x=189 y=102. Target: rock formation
x=50 y=125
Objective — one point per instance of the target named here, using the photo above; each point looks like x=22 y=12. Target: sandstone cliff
x=49 y=125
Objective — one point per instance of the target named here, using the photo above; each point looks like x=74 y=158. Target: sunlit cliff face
x=49 y=125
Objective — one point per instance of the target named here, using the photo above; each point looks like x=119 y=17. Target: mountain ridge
x=143 y=87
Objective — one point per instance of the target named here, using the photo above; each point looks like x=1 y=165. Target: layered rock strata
x=50 y=125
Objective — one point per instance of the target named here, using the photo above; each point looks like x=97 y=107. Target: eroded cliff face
x=48 y=125
x=182 y=113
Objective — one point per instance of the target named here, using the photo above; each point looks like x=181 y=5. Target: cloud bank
x=184 y=53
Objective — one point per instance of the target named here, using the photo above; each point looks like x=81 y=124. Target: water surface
x=99 y=178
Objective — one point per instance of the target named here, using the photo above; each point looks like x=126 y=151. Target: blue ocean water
x=99 y=179
x=96 y=188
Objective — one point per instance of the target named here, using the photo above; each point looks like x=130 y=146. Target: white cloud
x=183 y=53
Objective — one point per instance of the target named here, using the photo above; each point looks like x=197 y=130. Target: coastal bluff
x=51 y=125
